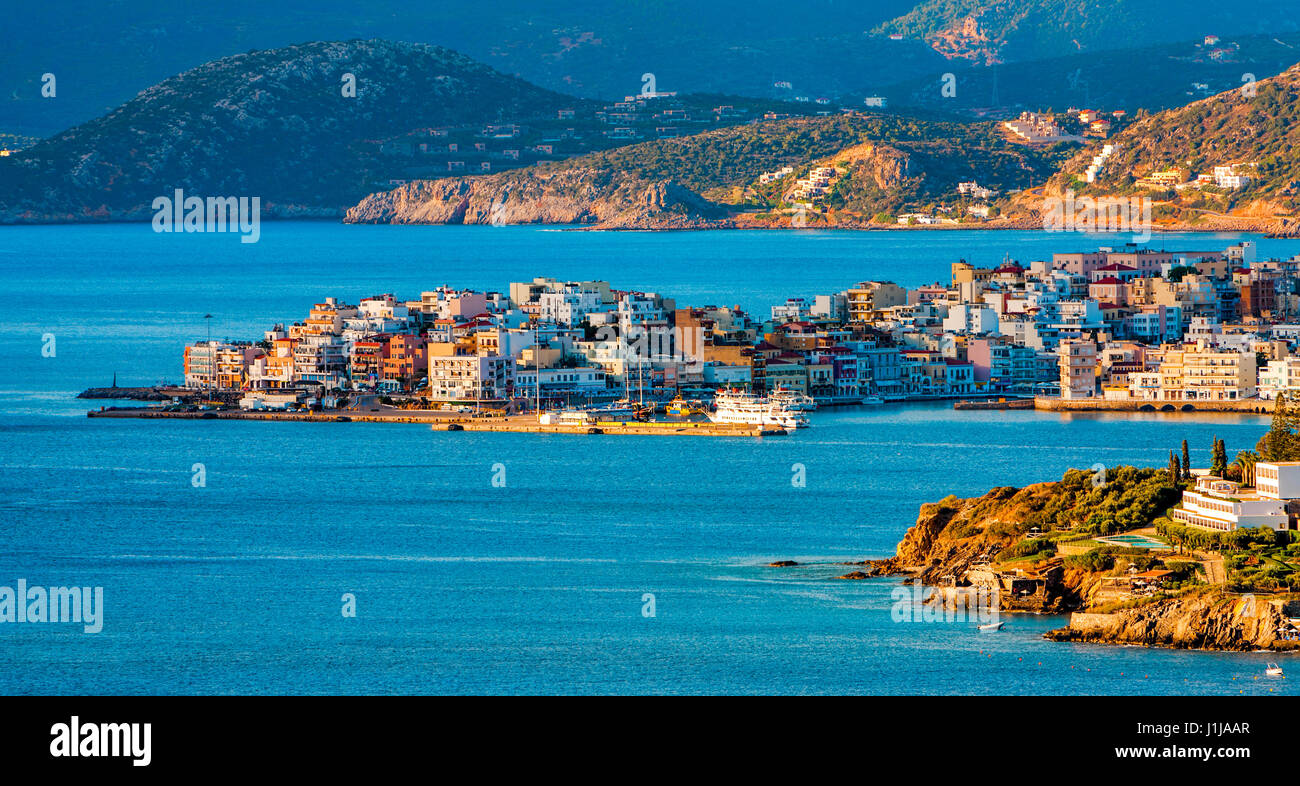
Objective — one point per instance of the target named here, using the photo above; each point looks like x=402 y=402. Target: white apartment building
x=561 y=381
x=570 y=305
x=1223 y=505
x=968 y=318
x=471 y=377
x=1279 y=376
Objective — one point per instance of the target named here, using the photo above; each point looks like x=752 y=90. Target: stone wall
x=1250 y=405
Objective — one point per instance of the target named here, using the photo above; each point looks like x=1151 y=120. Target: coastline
x=963 y=551
x=1278 y=227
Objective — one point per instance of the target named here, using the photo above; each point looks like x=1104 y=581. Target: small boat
x=872 y=400
x=993 y=625
x=677 y=407
x=1273 y=670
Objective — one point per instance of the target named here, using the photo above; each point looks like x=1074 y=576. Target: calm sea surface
x=536 y=587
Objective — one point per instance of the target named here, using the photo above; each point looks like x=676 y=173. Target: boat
x=872 y=400
x=1273 y=670
x=993 y=626
x=677 y=407
x=793 y=400
x=617 y=411
x=736 y=406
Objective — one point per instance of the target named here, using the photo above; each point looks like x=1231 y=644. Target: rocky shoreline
x=1210 y=620
x=152 y=393
x=955 y=543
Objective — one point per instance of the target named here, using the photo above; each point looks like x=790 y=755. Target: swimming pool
x=1133 y=541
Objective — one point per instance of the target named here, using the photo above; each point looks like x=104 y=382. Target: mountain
x=273 y=124
x=1002 y=31
x=105 y=53
x=1259 y=133
x=1154 y=77
x=882 y=163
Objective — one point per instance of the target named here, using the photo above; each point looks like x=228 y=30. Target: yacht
x=735 y=406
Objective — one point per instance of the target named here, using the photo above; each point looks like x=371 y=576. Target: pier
x=444 y=421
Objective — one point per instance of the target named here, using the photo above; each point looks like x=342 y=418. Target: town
x=1120 y=327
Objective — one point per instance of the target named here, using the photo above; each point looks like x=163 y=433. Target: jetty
x=1002 y=403
x=445 y=421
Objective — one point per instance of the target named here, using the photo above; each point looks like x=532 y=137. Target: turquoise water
x=536 y=587
x=1135 y=541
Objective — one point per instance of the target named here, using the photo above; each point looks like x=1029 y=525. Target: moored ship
x=734 y=406
x=793 y=400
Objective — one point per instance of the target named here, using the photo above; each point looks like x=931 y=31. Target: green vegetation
x=1281 y=442
x=1129 y=498
x=913 y=161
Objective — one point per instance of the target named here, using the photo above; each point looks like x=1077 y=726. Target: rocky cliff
x=581 y=195
x=1211 y=619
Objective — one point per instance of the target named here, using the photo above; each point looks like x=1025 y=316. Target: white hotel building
x=1223 y=505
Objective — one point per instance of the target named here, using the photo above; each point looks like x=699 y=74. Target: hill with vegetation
x=274 y=124
x=1151 y=77
x=1256 y=130
x=888 y=162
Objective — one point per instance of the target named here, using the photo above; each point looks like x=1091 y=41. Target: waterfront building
x=218 y=365
x=1078 y=367
x=1202 y=372
x=464 y=378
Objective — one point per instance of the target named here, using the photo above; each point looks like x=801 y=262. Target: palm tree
x=1245 y=461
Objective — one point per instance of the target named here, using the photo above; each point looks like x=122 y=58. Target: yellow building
x=871 y=296
x=1206 y=373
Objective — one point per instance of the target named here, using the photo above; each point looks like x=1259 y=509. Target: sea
x=327 y=558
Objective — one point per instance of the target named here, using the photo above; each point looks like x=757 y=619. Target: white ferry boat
x=739 y=407
x=793 y=400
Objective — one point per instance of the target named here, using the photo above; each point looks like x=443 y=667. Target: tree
x=1246 y=460
x=1187 y=461
x=1281 y=442
x=1173 y=469
x=1219 y=459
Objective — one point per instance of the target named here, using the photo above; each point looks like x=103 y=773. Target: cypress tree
x=1187 y=461
x=1173 y=469
x=1219 y=459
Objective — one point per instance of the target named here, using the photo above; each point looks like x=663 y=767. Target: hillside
x=886 y=162
x=1258 y=133
x=1001 y=31
x=272 y=124
x=106 y=53
x=1152 y=77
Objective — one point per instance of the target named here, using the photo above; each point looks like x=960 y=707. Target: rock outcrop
x=1211 y=619
x=579 y=195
